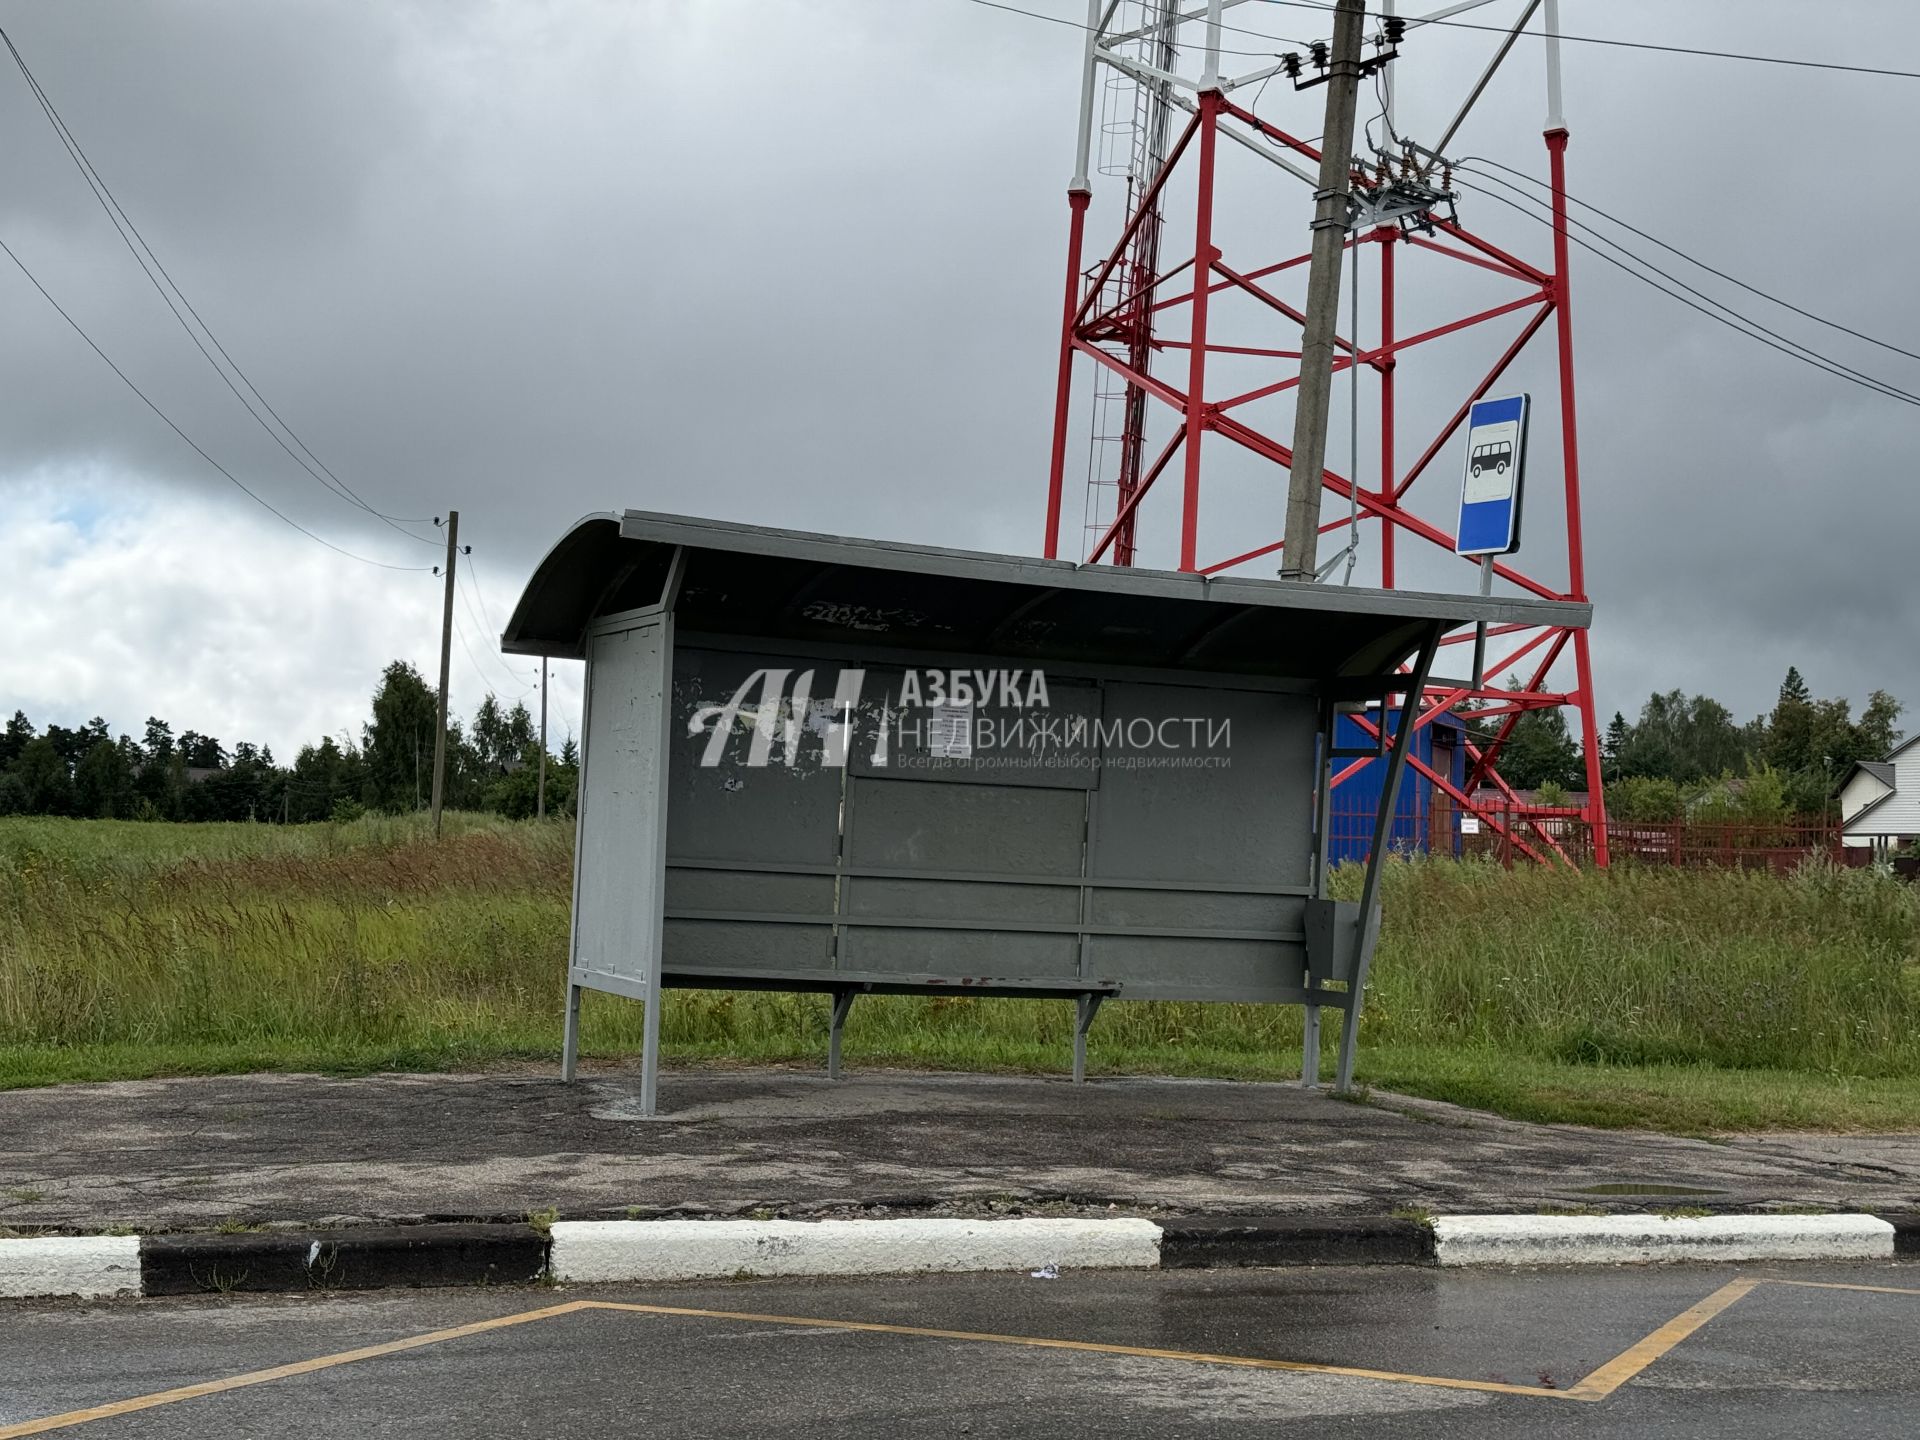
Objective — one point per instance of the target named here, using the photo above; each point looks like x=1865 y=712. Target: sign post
x=1490 y=493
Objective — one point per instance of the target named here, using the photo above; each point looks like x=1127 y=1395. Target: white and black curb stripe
x=1640 y=1239
x=101 y=1266
x=590 y=1250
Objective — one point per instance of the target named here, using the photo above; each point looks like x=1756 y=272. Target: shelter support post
x=570 y=1038
x=1367 y=932
x=1085 y=1008
x=650 y=1045
x=842 y=1003
x=1322 y=840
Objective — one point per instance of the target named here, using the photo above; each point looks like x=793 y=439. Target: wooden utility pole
x=446 y=660
x=1302 y=534
x=540 y=801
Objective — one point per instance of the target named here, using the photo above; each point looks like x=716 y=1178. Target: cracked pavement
x=296 y=1149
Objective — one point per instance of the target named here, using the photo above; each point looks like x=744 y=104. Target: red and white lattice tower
x=1186 y=338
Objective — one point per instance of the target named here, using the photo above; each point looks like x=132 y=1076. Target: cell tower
x=1189 y=346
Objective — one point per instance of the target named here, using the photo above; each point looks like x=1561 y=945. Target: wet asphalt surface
x=264 y=1149
x=1785 y=1360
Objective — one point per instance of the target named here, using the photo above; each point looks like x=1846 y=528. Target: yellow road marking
x=1595 y=1387
x=1095 y=1347
x=1635 y=1358
x=278 y=1372
x=1836 y=1285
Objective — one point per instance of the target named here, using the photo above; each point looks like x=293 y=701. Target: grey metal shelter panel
x=616 y=892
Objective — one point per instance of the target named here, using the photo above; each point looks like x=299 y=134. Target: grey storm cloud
x=801 y=265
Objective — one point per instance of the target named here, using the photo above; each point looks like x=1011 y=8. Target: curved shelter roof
x=790 y=585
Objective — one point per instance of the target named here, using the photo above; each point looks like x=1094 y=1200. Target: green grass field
x=1688 y=1000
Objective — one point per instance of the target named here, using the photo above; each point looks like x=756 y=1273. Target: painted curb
x=586 y=1251
x=367 y=1259
x=1198 y=1244
x=599 y=1250
x=1906 y=1233
x=89 y=1266
x=1638 y=1239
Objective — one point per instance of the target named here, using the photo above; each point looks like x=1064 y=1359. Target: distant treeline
x=493 y=764
x=1687 y=758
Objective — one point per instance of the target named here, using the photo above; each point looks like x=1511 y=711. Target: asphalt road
x=1487 y=1355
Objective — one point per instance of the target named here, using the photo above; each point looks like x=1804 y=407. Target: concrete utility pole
x=1302 y=534
x=446 y=660
x=540 y=801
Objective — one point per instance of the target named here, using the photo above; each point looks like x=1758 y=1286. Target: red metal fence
x=1520 y=835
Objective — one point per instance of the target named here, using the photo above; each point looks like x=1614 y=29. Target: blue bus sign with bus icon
x=1490 y=488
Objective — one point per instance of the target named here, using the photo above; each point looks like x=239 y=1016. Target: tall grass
x=135 y=948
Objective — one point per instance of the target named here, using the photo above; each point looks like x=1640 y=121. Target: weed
x=542 y=1220
x=1418 y=1214
x=1572 y=1210
x=1683 y=1212
x=222 y=1282
x=234 y=1225
x=22 y=1195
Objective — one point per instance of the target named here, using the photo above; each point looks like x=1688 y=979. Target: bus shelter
x=852 y=767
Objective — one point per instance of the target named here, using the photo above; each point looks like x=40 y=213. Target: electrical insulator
x=1290 y=62
x=1396 y=28
x=1319 y=49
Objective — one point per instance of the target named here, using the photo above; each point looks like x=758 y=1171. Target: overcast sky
x=799 y=264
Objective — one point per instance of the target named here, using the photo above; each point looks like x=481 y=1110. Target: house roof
x=1881 y=770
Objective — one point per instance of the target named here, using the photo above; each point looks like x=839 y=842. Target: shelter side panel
x=1205 y=806
x=619 y=872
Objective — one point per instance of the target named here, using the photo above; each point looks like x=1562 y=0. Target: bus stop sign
x=1490 y=487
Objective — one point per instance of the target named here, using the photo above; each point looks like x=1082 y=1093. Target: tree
x=1793 y=689
x=1539 y=751
x=1619 y=735
x=397 y=744
x=1877 y=732
x=1686 y=739
x=324 y=777
x=103 y=783
x=201 y=752
x=15 y=738
x=46 y=785
x=157 y=783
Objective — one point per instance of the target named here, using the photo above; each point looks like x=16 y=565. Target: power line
x=1412 y=21
x=168 y=420
x=1690 y=259
x=129 y=234
x=1826 y=361
x=467 y=599
x=1744 y=324
x=1085 y=28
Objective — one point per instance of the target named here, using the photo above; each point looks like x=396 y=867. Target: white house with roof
x=1880 y=800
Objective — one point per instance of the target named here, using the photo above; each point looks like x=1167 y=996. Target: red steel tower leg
x=1387 y=476
x=1204 y=257
x=1063 y=391
x=1596 y=815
